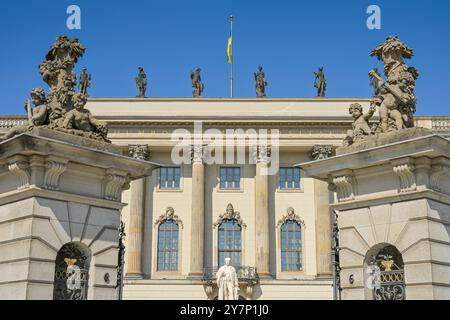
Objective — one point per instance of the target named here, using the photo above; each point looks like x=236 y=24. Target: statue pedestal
x=393 y=203
x=60 y=203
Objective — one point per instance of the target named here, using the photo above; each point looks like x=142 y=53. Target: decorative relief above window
x=291 y=216
x=228 y=215
x=169 y=215
x=291 y=234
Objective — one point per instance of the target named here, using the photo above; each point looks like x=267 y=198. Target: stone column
x=262 y=212
x=197 y=211
x=323 y=215
x=135 y=228
x=323 y=228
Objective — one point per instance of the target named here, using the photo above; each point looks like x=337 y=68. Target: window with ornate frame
x=168 y=242
x=291 y=242
x=229 y=237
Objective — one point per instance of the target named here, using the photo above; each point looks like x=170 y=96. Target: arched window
x=168 y=239
x=291 y=241
x=230 y=242
x=230 y=236
x=291 y=246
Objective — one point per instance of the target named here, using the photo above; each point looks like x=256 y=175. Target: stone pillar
x=197 y=211
x=262 y=212
x=135 y=230
x=392 y=194
x=49 y=212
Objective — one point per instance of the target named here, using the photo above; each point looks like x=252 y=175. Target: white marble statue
x=227 y=281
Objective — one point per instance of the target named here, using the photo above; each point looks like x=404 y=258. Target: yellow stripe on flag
x=230 y=42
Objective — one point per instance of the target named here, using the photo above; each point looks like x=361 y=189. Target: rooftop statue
x=62 y=103
x=197 y=83
x=394 y=96
x=320 y=82
x=141 y=83
x=85 y=82
x=261 y=83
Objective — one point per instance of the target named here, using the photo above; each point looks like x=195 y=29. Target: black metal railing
x=244 y=274
x=391 y=286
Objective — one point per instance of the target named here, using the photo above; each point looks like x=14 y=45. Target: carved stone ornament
x=20 y=167
x=320 y=152
x=360 y=127
x=404 y=169
x=344 y=187
x=261 y=153
x=169 y=215
x=198 y=153
x=114 y=183
x=63 y=108
x=54 y=169
x=438 y=172
x=291 y=216
x=394 y=97
x=139 y=151
x=230 y=214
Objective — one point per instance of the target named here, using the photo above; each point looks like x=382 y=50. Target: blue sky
x=169 y=38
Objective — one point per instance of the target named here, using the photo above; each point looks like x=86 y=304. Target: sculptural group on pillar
x=63 y=108
x=394 y=97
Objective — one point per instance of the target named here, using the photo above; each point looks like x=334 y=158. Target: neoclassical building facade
x=183 y=220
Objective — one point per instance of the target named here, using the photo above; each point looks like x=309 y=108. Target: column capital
x=321 y=151
x=198 y=153
x=139 y=151
x=262 y=153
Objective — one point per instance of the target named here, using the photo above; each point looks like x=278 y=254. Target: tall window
x=169 y=178
x=168 y=246
x=289 y=178
x=230 y=178
x=291 y=246
x=230 y=242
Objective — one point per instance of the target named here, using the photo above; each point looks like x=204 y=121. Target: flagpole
x=232 y=57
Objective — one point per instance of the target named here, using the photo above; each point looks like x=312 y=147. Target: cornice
x=224 y=99
x=234 y=123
